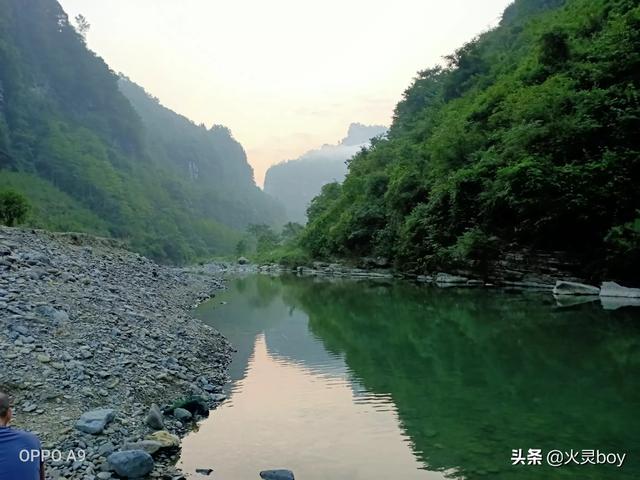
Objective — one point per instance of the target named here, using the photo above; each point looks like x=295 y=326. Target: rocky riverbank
x=87 y=325
x=518 y=270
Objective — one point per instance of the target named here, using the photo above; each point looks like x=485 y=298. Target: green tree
x=290 y=231
x=242 y=247
x=266 y=239
x=13 y=208
x=82 y=25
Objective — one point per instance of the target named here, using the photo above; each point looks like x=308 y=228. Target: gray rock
x=218 y=397
x=95 y=421
x=154 y=418
x=106 y=449
x=37 y=259
x=57 y=316
x=149 y=446
x=131 y=463
x=573 y=288
x=204 y=471
x=277 y=475
x=182 y=414
x=612 y=289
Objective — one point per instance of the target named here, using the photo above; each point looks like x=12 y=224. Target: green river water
x=338 y=379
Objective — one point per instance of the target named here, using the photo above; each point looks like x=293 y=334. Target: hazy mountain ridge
x=89 y=161
x=296 y=182
x=211 y=160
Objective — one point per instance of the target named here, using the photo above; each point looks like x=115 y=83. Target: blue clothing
x=17 y=460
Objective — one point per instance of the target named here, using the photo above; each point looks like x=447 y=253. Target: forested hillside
x=213 y=163
x=528 y=137
x=88 y=161
x=296 y=182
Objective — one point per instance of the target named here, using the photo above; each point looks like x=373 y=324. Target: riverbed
x=339 y=379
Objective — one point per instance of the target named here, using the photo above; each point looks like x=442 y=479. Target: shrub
x=13 y=208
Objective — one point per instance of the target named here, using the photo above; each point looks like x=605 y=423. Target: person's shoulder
x=29 y=438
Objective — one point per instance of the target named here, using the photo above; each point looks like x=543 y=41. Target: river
x=339 y=379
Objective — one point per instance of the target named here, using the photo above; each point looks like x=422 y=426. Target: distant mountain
x=296 y=182
x=93 y=159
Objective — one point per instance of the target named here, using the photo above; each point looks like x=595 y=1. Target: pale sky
x=285 y=76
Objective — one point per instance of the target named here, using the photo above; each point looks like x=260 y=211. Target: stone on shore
x=573 y=288
x=95 y=421
x=182 y=414
x=149 y=446
x=446 y=278
x=131 y=463
x=164 y=438
x=204 y=471
x=612 y=289
x=280 y=474
x=196 y=405
x=154 y=418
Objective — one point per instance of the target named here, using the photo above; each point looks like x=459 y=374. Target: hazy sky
x=285 y=75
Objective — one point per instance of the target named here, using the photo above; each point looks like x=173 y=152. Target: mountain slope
x=211 y=161
x=296 y=182
x=528 y=138
x=68 y=135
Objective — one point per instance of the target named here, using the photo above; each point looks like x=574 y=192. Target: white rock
x=448 y=278
x=612 y=289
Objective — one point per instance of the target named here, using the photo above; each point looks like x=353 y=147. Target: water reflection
x=368 y=380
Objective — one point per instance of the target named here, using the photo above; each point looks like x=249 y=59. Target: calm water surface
x=380 y=381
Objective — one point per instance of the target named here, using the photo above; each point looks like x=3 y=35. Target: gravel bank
x=87 y=325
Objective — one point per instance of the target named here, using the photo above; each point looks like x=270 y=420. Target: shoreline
x=88 y=325
x=567 y=290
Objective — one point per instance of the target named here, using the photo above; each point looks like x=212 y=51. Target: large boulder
x=574 y=288
x=131 y=463
x=95 y=421
x=154 y=418
x=280 y=474
x=612 y=289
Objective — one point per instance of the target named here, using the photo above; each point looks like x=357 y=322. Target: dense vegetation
x=296 y=182
x=89 y=160
x=13 y=208
x=527 y=138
